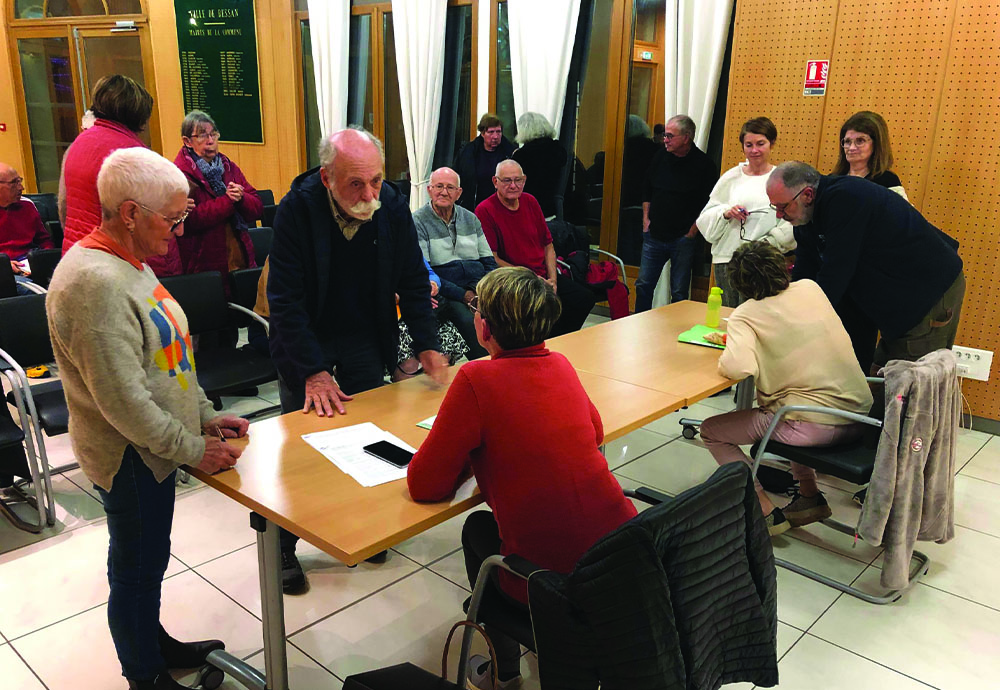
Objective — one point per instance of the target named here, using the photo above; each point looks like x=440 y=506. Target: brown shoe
x=805 y=510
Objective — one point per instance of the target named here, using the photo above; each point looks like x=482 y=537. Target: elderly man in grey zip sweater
x=452 y=240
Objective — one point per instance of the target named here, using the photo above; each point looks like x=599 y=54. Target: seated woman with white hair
x=136 y=411
x=542 y=159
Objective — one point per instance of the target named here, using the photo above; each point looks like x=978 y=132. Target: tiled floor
x=53 y=628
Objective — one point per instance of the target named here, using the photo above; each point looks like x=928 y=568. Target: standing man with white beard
x=344 y=247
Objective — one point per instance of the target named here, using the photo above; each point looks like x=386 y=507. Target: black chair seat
x=10 y=433
x=50 y=403
x=222 y=371
x=853 y=462
x=501 y=615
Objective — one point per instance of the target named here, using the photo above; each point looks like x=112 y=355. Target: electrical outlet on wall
x=973 y=363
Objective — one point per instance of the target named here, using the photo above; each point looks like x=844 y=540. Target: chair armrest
x=34 y=287
x=616 y=259
x=520 y=566
x=647 y=495
x=252 y=314
x=562 y=263
x=875 y=379
x=833 y=412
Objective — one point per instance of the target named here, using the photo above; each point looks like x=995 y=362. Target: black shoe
x=380 y=557
x=860 y=496
x=293 y=580
x=180 y=655
x=162 y=682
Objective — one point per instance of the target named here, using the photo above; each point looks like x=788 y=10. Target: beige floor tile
x=303 y=673
x=844 y=510
x=969 y=444
x=977 y=504
x=802 y=601
x=787 y=637
x=672 y=468
x=74 y=508
x=436 y=542
x=669 y=425
x=48 y=589
x=631 y=484
x=966 y=566
x=244 y=405
x=930 y=635
x=269 y=392
x=452 y=568
x=208 y=524
x=631 y=446
x=332 y=585
x=986 y=462
x=405 y=622
x=192 y=609
x=813 y=663
x=15 y=675
x=722 y=403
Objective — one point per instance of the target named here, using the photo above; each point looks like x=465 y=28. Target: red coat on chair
x=203 y=244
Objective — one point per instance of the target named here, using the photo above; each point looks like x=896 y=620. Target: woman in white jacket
x=739 y=211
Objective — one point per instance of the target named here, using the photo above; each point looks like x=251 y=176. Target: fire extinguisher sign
x=817 y=72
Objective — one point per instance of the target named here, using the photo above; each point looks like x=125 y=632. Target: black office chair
x=41 y=407
x=572 y=245
x=43 y=264
x=640 y=607
x=853 y=462
x=266 y=197
x=262 y=239
x=14 y=464
x=55 y=229
x=47 y=205
x=8 y=286
x=221 y=370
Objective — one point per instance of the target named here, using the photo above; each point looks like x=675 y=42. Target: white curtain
x=695 y=38
x=330 y=32
x=419 y=28
x=541 y=46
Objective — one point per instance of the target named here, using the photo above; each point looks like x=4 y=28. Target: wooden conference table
x=633 y=369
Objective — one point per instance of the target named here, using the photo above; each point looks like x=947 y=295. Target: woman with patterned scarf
x=225 y=204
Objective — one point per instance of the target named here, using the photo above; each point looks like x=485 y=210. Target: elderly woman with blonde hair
x=136 y=411
x=524 y=425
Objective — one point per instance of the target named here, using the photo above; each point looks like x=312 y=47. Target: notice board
x=217 y=40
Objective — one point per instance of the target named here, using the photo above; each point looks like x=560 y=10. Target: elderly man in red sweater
x=550 y=488
x=21 y=228
x=515 y=228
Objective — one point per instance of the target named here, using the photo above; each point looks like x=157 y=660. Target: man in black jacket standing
x=478 y=160
x=677 y=185
x=866 y=243
x=344 y=247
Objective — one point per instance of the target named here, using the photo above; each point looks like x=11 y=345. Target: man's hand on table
x=324 y=395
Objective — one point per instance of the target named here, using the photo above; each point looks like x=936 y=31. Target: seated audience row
x=21 y=227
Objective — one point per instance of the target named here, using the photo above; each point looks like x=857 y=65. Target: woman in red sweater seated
x=524 y=425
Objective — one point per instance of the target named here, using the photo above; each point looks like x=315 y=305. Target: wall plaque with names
x=218 y=50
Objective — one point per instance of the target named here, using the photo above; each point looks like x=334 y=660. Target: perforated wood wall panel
x=771 y=44
x=963 y=181
x=931 y=68
x=889 y=57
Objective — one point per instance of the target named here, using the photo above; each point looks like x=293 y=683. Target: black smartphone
x=391 y=453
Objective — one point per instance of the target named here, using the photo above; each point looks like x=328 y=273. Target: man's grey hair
x=446 y=169
x=685 y=124
x=194 y=120
x=328 y=151
x=531 y=126
x=635 y=126
x=139 y=175
x=508 y=161
x=796 y=173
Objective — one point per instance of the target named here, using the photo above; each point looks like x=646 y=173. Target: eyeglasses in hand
x=473 y=305
x=743 y=222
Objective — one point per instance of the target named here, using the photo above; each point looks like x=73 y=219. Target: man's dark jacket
x=300 y=282
x=869 y=244
x=467 y=162
x=682 y=596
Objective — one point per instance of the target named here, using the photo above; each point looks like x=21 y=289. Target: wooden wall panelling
x=773 y=41
x=963 y=178
x=889 y=57
x=11 y=149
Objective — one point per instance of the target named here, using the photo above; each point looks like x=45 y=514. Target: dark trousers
x=140 y=514
x=480 y=540
x=358 y=368
x=462 y=318
x=936 y=330
x=655 y=254
x=577 y=300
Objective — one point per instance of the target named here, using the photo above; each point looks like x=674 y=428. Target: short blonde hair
x=519 y=307
x=140 y=175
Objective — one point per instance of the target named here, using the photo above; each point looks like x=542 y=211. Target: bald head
x=444 y=189
x=509 y=167
x=10 y=185
x=352 y=163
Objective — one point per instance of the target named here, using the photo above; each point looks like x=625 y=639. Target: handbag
x=411 y=677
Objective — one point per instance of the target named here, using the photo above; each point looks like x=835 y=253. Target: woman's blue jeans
x=140 y=514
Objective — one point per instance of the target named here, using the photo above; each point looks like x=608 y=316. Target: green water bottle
x=714 y=304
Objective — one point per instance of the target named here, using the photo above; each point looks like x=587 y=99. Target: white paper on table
x=344 y=447
x=427 y=423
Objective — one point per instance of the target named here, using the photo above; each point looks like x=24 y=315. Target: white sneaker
x=484 y=680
